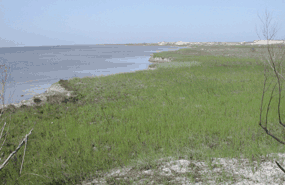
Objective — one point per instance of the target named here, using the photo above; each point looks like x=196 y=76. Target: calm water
x=34 y=69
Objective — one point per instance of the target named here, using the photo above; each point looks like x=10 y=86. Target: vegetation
x=205 y=107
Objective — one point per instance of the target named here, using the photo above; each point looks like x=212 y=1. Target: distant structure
x=179 y=43
x=189 y=44
x=162 y=43
x=256 y=42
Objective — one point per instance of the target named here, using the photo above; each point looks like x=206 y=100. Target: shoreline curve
x=56 y=88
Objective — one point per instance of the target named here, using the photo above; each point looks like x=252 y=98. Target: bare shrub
x=273 y=65
x=25 y=138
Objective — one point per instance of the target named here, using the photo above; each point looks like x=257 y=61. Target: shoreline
x=57 y=89
x=54 y=89
x=177 y=44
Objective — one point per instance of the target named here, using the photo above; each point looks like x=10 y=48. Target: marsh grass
x=195 y=112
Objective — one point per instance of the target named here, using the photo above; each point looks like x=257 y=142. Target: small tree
x=25 y=138
x=273 y=65
x=3 y=88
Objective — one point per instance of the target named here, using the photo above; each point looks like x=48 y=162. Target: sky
x=89 y=22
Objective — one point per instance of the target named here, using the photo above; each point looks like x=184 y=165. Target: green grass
x=206 y=106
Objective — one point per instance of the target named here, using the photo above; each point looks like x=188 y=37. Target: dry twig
x=13 y=153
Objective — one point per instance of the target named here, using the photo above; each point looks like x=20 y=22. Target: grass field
x=203 y=104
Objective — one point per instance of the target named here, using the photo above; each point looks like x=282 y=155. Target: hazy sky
x=69 y=22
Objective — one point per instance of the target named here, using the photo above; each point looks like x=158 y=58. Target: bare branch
x=5 y=138
x=268 y=107
x=2 y=130
x=266 y=25
x=3 y=87
x=274 y=61
x=26 y=140
x=279 y=166
x=13 y=153
x=267 y=132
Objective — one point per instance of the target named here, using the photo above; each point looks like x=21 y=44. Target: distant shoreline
x=173 y=44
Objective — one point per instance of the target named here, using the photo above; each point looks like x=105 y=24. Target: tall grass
x=189 y=111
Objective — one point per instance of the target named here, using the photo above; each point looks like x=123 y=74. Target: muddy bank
x=159 y=59
x=41 y=99
x=155 y=61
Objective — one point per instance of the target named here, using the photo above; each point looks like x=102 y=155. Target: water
x=34 y=69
